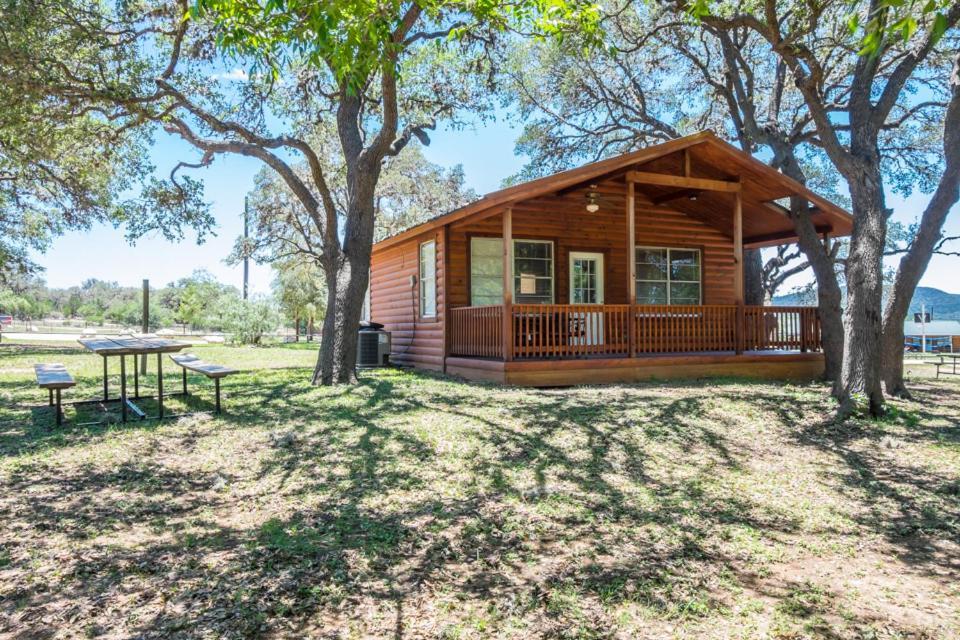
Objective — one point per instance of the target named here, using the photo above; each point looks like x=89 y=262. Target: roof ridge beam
x=667 y=180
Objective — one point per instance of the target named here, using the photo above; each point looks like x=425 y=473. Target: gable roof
x=935 y=328
x=827 y=214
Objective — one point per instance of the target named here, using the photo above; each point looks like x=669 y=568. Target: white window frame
x=669 y=279
x=513 y=258
x=428 y=283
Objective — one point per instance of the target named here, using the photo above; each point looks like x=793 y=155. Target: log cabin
x=625 y=269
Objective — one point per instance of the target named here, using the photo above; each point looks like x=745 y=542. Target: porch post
x=631 y=270
x=738 y=273
x=508 y=284
x=446 y=288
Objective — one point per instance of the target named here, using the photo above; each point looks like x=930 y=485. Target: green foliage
x=355 y=39
x=248 y=320
x=199 y=298
x=201 y=301
x=898 y=20
x=411 y=189
x=891 y=22
x=63 y=165
x=298 y=289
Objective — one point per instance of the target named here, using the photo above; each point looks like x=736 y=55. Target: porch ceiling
x=765 y=222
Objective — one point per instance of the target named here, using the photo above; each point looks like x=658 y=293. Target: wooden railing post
x=508 y=284
x=740 y=328
x=631 y=271
x=804 y=321
x=738 y=258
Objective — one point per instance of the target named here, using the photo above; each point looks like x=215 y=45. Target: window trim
x=433 y=280
x=513 y=258
x=669 y=280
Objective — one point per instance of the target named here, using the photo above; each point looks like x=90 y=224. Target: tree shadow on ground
x=562 y=509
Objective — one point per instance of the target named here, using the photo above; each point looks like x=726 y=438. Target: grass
x=416 y=506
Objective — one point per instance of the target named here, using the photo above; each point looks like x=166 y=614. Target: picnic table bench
x=54 y=378
x=940 y=363
x=189 y=361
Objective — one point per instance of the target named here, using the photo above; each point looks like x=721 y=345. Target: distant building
x=942 y=335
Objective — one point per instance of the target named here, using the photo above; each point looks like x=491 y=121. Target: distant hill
x=943 y=305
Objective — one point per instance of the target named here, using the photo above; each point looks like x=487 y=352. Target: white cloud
x=234 y=75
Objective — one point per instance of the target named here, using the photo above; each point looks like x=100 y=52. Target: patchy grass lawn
x=419 y=507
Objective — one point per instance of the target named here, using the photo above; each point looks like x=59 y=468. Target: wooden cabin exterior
x=625 y=269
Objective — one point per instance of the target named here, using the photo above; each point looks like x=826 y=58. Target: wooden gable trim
x=494 y=203
x=666 y=180
x=548 y=184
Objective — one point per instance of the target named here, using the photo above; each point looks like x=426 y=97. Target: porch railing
x=781 y=328
x=572 y=331
x=477 y=331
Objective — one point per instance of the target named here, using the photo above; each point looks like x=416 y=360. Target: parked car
x=4 y=320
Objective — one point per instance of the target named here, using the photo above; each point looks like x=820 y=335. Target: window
x=486 y=271
x=428 y=279
x=532 y=271
x=668 y=276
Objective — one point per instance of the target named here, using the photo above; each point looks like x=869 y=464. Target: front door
x=586 y=287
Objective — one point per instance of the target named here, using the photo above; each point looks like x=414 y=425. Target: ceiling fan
x=594 y=200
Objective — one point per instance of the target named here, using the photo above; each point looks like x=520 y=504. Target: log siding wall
x=417 y=341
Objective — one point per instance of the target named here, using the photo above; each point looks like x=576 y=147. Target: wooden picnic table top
x=132 y=345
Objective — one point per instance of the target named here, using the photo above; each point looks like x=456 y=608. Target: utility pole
x=145 y=325
x=246 y=237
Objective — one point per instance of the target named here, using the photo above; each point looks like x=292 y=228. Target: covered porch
x=564 y=331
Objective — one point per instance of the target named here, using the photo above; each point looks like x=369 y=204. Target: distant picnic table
x=123 y=346
x=941 y=363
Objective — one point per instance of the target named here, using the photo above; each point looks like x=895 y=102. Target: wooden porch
x=564 y=331
x=574 y=344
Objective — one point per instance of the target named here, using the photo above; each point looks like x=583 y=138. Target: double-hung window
x=668 y=276
x=533 y=278
x=428 y=279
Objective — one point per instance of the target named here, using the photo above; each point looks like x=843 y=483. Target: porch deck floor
x=605 y=368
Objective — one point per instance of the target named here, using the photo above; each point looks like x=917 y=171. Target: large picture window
x=668 y=276
x=428 y=279
x=532 y=271
x=486 y=271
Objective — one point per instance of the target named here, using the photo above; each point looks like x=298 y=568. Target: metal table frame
x=135 y=346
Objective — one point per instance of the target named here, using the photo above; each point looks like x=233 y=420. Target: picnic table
x=953 y=357
x=941 y=363
x=123 y=346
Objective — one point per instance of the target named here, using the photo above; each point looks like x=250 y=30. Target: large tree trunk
x=753 y=292
x=864 y=275
x=829 y=296
x=914 y=263
x=347 y=281
x=336 y=363
x=818 y=254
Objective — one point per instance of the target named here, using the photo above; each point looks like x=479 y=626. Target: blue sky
x=486 y=153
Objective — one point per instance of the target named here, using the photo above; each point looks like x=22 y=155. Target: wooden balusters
x=573 y=331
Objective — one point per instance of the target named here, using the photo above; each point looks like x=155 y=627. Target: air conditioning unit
x=373 y=349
